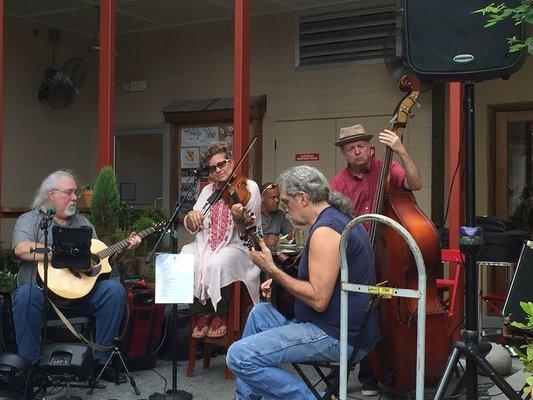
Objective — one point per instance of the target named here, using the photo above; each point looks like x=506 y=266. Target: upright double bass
x=394 y=358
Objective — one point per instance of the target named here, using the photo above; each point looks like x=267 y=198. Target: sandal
x=202 y=327
x=218 y=327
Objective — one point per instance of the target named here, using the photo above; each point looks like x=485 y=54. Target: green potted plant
x=525 y=351
x=105 y=207
x=86 y=196
x=133 y=263
x=8 y=271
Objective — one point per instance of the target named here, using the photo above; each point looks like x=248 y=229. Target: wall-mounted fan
x=61 y=85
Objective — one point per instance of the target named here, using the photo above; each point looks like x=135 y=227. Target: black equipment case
x=502 y=242
x=142 y=334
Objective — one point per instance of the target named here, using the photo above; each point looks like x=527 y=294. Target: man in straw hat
x=359 y=182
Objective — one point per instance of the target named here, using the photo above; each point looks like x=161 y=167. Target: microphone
x=46 y=220
x=203 y=169
x=51 y=210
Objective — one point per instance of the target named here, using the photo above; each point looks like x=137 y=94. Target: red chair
x=236 y=319
x=450 y=284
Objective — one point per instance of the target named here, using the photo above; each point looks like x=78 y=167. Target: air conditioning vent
x=344 y=36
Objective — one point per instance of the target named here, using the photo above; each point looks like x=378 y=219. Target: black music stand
x=172 y=225
x=71 y=247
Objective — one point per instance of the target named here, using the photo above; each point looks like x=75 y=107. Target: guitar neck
x=109 y=251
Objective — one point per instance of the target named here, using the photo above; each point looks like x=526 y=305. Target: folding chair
x=456 y=258
x=329 y=371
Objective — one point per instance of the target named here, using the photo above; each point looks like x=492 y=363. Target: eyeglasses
x=69 y=192
x=219 y=165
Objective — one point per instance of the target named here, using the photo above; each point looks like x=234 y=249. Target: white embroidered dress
x=219 y=253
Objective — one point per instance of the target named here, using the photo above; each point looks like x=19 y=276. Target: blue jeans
x=269 y=339
x=106 y=301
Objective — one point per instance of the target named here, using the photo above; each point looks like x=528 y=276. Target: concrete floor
x=211 y=384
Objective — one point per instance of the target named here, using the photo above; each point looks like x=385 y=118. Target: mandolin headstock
x=251 y=237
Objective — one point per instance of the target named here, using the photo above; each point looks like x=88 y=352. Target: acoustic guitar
x=67 y=286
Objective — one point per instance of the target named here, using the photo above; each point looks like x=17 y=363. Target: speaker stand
x=471 y=239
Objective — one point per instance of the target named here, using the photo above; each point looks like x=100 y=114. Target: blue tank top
x=360 y=270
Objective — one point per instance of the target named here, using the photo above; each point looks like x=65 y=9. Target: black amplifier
x=68 y=359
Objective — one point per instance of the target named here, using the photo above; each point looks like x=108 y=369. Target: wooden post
x=241 y=78
x=106 y=84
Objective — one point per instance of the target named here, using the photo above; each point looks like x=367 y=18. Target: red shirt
x=362 y=191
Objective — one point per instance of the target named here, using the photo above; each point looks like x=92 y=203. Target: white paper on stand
x=174 y=278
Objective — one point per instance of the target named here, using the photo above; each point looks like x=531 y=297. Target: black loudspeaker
x=67 y=359
x=444 y=40
x=15 y=372
x=520 y=289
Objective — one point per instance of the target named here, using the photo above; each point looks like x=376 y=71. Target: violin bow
x=232 y=175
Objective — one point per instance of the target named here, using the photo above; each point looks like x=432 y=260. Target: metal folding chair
x=329 y=371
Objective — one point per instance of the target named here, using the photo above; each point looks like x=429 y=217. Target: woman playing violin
x=221 y=256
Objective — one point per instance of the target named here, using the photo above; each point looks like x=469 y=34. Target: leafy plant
x=6 y=260
x=521 y=13
x=147 y=218
x=105 y=205
x=8 y=281
x=526 y=351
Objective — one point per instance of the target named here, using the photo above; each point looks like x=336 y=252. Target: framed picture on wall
x=127 y=191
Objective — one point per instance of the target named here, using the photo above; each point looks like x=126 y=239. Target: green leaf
x=518 y=325
x=527 y=307
x=530 y=353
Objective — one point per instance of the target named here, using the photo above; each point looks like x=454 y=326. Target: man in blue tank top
x=269 y=339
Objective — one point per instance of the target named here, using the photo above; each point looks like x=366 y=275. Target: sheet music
x=174 y=278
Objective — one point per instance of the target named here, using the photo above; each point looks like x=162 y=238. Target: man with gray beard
x=107 y=299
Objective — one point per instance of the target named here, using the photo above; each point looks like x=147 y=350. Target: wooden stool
x=236 y=319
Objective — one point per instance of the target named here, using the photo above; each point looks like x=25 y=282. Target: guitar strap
x=76 y=334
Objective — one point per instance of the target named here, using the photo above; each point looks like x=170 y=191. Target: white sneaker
x=370 y=390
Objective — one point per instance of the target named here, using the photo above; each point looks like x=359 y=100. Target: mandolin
x=67 y=286
x=280 y=298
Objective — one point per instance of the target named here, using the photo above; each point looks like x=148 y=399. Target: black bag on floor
x=180 y=334
x=142 y=334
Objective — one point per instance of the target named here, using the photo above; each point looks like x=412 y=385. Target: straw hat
x=352 y=133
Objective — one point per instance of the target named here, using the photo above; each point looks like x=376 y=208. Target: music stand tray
x=71 y=247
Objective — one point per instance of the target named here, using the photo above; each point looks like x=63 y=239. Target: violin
x=235 y=192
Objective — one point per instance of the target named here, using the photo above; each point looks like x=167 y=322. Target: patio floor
x=211 y=384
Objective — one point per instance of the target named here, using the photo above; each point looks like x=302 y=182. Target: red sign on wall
x=307 y=157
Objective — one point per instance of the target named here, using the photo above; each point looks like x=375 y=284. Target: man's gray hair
x=312 y=182
x=49 y=183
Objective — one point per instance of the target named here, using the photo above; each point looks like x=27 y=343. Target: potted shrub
x=105 y=207
x=8 y=271
x=86 y=196
x=133 y=263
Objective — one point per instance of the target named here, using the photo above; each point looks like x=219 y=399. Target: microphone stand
x=172 y=224
x=45 y=223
